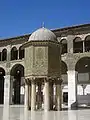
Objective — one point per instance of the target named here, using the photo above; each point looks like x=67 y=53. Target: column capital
x=46 y=79
x=58 y=81
x=72 y=71
x=27 y=81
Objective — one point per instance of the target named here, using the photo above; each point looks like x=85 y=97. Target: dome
x=42 y=34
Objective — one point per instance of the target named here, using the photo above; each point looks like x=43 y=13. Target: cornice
x=40 y=43
x=59 y=32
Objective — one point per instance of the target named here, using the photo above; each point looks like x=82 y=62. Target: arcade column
x=6 y=90
x=46 y=96
x=33 y=95
x=72 y=89
x=58 y=95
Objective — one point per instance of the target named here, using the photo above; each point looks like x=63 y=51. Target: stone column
x=39 y=96
x=18 y=54
x=72 y=89
x=83 y=46
x=62 y=86
x=33 y=95
x=51 y=95
x=8 y=53
x=11 y=89
x=46 y=96
x=26 y=96
x=70 y=43
x=29 y=97
x=58 y=95
x=7 y=90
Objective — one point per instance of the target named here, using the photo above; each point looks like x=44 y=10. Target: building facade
x=75 y=67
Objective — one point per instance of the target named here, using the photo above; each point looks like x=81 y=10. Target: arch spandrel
x=63 y=67
x=72 y=59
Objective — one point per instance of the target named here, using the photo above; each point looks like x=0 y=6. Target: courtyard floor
x=20 y=113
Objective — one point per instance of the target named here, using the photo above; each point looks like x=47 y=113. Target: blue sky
x=18 y=17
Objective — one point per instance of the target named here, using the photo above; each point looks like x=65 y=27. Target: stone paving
x=20 y=113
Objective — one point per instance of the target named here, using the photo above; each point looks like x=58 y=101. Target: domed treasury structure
x=42 y=70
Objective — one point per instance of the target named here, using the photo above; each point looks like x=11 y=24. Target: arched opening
x=14 y=53
x=83 y=69
x=18 y=84
x=77 y=45
x=21 y=53
x=2 y=74
x=65 y=82
x=4 y=54
x=0 y=56
x=64 y=46
x=87 y=44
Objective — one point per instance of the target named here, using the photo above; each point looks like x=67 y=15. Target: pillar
x=8 y=53
x=33 y=95
x=83 y=46
x=72 y=89
x=7 y=90
x=51 y=95
x=11 y=89
x=58 y=95
x=29 y=97
x=46 y=96
x=39 y=96
x=18 y=54
x=70 y=43
x=26 y=96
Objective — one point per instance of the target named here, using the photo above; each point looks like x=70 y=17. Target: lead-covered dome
x=42 y=34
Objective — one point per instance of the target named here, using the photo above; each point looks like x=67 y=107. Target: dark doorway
x=16 y=86
x=65 y=97
x=17 y=72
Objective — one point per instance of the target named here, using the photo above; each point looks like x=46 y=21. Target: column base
x=74 y=106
